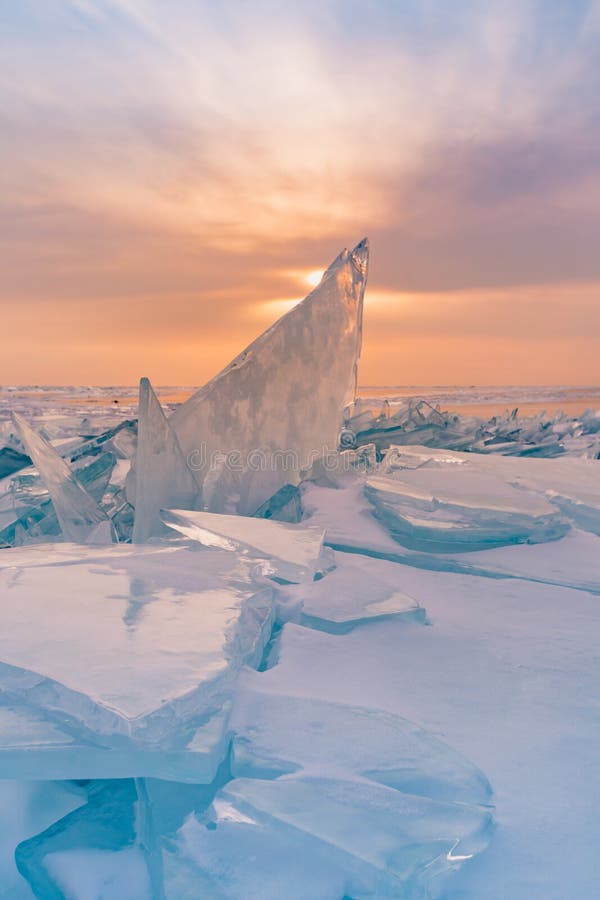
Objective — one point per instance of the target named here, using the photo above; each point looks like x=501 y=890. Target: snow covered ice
x=331 y=648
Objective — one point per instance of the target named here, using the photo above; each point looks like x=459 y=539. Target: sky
x=172 y=172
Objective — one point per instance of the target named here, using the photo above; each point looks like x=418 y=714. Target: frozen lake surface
x=442 y=670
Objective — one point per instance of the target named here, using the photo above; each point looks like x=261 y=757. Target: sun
x=313 y=278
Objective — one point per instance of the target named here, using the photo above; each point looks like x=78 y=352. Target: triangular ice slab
x=81 y=519
x=296 y=552
x=279 y=404
x=162 y=477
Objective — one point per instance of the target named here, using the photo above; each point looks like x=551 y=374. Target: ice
x=358 y=820
x=279 y=404
x=350 y=526
x=436 y=511
x=26 y=809
x=292 y=552
x=303 y=735
x=508 y=676
x=35 y=741
x=92 y=851
x=347 y=518
x=355 y=592
x=369 y=801
x=284 y=506
x=570 y=485
x=162 y=476
x=12 y=461
x=81 y=519
x=29 y=517
x=127 y=644
x=570 y=562
x=415 y=420
x=394 y=832
x=387 y=843
x=279 y=734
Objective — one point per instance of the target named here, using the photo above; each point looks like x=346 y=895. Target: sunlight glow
x=313 y=278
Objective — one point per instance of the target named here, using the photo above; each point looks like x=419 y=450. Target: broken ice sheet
x=355 y=592
x=387 y=842
x=572 y=486
x=279 y=734
x=292 y=552
x=387 y=805
x=81 y=519
x=437 y=511
x=350 y=526
x=35 y=741
x=300 y=839
x=28 y=516
x=282 y=398
x=131 y=644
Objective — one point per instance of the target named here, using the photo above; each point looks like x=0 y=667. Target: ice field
x=277 y=642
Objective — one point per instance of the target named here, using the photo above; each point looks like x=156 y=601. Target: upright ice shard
x=162 y=477
x=279 y=404
x=80 y=517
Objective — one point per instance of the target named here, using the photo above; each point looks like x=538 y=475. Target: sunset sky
x=171 y=172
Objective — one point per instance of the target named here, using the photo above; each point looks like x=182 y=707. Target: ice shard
x=34 y=518
x=356 y=592
x=291 y=551
x=279 y=405
x=80 y=517
x=162 y=476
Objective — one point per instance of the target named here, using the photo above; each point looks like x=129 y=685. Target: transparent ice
x=162 y=476
x=279 y=404
x=171 y=629
x=79 y=515
x=290 y=551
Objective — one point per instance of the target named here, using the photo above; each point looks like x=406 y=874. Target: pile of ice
x=169 y=584
x=417 y=421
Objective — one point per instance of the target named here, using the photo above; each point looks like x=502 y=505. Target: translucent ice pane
x=279 y=404
x=296 y=552
x=131 y=643
x=81 y=519
x=162 y=476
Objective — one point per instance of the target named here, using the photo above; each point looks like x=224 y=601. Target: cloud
x=186 y=157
